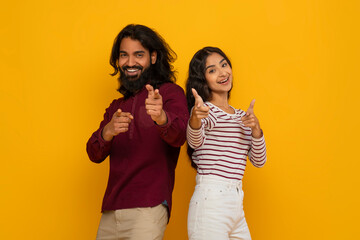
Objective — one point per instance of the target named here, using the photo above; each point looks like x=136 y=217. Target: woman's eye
x=211 y=70
x=224 y=64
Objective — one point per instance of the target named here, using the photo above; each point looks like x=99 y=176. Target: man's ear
x=153 y=57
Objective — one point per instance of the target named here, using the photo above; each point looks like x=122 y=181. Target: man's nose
x=131 y=61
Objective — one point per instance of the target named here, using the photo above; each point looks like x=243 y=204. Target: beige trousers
x=133 y=224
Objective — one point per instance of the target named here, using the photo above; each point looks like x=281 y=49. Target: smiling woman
x=220 y=139
x=218 y=74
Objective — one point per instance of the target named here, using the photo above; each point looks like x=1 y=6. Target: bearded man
x=142 y=132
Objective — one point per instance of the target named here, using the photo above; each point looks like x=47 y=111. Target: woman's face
x=218 y=74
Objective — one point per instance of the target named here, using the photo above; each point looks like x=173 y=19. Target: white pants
x=216 y=210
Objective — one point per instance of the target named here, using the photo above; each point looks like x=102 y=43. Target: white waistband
x=211 y=179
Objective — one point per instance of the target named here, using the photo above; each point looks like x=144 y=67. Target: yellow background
x=299 y=59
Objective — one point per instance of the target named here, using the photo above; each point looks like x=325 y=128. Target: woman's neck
x=219 y=100
x=222 y=102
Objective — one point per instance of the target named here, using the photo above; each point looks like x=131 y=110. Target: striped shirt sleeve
x=195 y=137
x=210 y=121
x=257 y=153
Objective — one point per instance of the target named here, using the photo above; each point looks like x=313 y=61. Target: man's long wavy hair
x=196 y=79
x=162 y=70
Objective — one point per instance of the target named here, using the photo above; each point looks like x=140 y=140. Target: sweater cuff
x=167 y=124
x=101 y=140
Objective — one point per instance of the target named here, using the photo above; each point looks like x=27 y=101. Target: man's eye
x=140 y=55
x=122 y=55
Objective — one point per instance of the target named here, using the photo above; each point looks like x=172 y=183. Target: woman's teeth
x=224 y=81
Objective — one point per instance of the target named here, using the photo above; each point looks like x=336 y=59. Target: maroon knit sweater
x=143 y=159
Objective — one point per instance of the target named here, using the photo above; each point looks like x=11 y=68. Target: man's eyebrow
x=140 y=51
x=214 y=65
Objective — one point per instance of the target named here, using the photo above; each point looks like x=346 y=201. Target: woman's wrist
x=256 y=132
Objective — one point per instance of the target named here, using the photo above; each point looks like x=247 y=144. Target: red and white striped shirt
x=222 y=144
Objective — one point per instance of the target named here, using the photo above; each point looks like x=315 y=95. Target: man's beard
x=129 y=85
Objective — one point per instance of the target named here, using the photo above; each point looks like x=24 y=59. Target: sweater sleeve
x=175 y=107
x=97 y=148
x=257 y=152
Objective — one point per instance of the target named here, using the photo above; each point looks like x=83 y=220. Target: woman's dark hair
x=163 y=70
x=197 y=80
